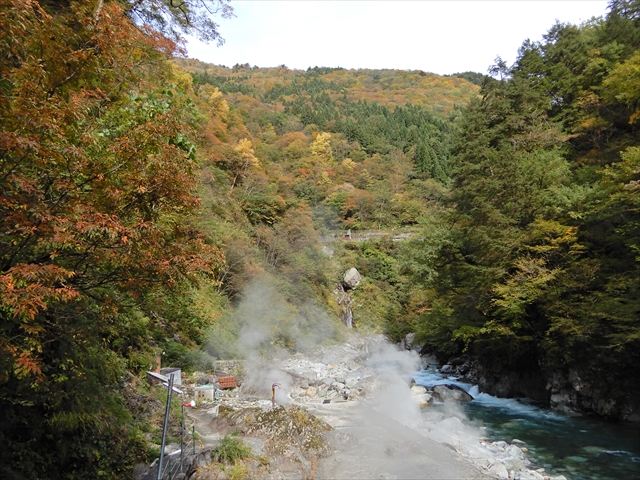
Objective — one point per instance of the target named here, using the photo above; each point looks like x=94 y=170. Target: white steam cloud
x=272 y=329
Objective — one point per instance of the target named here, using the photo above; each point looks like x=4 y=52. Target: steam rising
x=269 y=326
x=259 y=378
x=271 y=329
x=386 y=435
x=393 y=369
x=265 y=325
x=390 y=430
x=392 y=399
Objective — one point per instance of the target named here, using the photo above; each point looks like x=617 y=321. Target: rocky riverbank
x=373 y=380
x=348 y=411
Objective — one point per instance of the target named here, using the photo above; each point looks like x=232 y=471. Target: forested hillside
x=151 y=204
x=533 y=265
x=380 y=110
x=340 y=163
x=523 y=204
x=304 y=154
x=141 y=205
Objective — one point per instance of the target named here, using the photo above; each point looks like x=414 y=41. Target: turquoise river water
x=580 y=448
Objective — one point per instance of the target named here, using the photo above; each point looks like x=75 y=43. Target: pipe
x=273 y=394
x=182 y=439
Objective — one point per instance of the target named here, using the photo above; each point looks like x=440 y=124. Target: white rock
x=350 y=382
x=483 y=461
x=515 y=465
x=499 y=470
x=337 y=386
x=422 y=399
x=352 y=278
x=529 y=475
x=516 y=452
x=418 y=389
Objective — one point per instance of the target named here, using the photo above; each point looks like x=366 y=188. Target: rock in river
x=450 y=393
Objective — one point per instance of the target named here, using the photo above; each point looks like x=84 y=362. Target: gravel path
x=372 y=446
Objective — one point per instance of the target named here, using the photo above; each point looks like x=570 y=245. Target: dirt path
x=372 y=446
x=364 y=235
x=201 y=420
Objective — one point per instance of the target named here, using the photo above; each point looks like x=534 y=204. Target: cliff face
x=572 y=391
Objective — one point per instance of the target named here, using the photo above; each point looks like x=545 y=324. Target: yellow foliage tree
x=321 y=146
x=348 y=164
x=624 y=84
x=247 y=158
x=213 y=97
x=245 y=149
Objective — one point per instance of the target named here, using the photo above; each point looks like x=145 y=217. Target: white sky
x=435 y=36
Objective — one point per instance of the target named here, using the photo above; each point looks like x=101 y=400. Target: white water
x=430 y=378
x=579 y=448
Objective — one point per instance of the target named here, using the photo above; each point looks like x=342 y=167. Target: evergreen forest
x=149 y=202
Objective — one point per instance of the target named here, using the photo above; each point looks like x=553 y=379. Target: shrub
x=230 y=450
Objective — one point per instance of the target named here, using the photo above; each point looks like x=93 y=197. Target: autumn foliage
x=97 y=182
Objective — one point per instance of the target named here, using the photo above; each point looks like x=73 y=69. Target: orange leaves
x=32 y=329
x=17 y=19
x=96 y=177
x=304 y=172
x=26 y=289
x=27 y=365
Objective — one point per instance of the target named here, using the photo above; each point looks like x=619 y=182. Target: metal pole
x=166 y=426
x=182 y=438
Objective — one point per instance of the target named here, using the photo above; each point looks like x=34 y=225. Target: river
x=580 y=448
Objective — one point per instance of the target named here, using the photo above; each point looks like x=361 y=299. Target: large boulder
x=352 y=278
x=450 y=393
x=420 y=395
x=447 y=369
